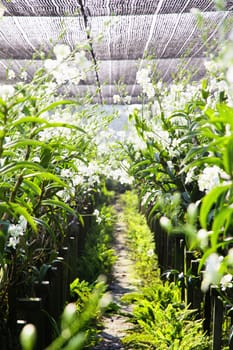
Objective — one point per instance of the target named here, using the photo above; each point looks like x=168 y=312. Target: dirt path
x=115 y=326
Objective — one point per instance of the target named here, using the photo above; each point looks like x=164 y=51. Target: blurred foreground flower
x=28 y=337
x=211 y=275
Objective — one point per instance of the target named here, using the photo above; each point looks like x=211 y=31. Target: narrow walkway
x=115 y=325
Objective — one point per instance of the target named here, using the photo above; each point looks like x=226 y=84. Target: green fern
x=160 y=318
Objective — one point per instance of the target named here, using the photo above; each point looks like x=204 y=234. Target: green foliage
x=98 y=256
x=140 y=240
x=46 y=146
x=80 y=291
x=186 y=161
x=106 y=195
x=162 y=321
x=75 y=320
x=160 y=318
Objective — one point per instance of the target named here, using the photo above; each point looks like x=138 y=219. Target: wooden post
x=197 y=296
x=180 y=263
x=65 y=271
x=179 y=254
x=54 y=298
x=170 y=252
x=31 y=311
x=217 y=319
x=73 y=259
x=61 y=297
x=188 y=273
x=43 y=291
x=207 y=312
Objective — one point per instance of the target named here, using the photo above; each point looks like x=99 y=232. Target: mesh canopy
x=131 y=30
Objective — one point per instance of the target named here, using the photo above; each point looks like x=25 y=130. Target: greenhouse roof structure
x=123 y=35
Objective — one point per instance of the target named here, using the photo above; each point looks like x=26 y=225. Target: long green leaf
x=176 y=114
x=195 y=150
x=32 y=186
x=58 y=125
x=44 y=224
x=20 y=210
x=21 y=100
x=8 y=154
x=222 y=219
x=228 y=157
x=204 y=160
x=209 y=200
x=30 y=119
x=5 y=206
x=140 y=164
x=59 y=204
x=226 y=112
x=56 y=104
x=60 y=145
x=20 y=165
x=26 y=142
x=46 y=176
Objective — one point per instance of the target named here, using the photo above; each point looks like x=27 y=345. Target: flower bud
x=192 y=212
x=68 y=315
x=166 y=223
x=28 y=337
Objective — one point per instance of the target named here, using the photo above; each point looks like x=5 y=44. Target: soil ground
x=116 y=325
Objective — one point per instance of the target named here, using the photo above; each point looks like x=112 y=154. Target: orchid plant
x=181 y=161
x=53 y=165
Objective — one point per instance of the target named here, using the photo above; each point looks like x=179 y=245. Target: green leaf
x=56 y=104
x=226 y=112
x=46 y=176
x=209 y=200
x=2 y=242
x=20 y=165
x=29 y=119
x=140 y=164
x=204 y=160
x=32 y=186
x=2 y=102
x=59 y=204
x=153 y=211
x=24 y=202
x=180 y=114
x=57 y=125
x=53 y=323
x=195 y=150
x=5 y=186
x=8 y=154
x=222 y=97
x=19 y=210
x=26 y=142
x=46 y=156
x=204 y=84
x=205 y=94
x=222 y=219
x=228 y=157
x=21 y=100
x=47 y=227
x=4 y=206
x=209 y=112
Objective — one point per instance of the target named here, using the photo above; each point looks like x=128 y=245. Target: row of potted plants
x=53 y=175
x=181 y=160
